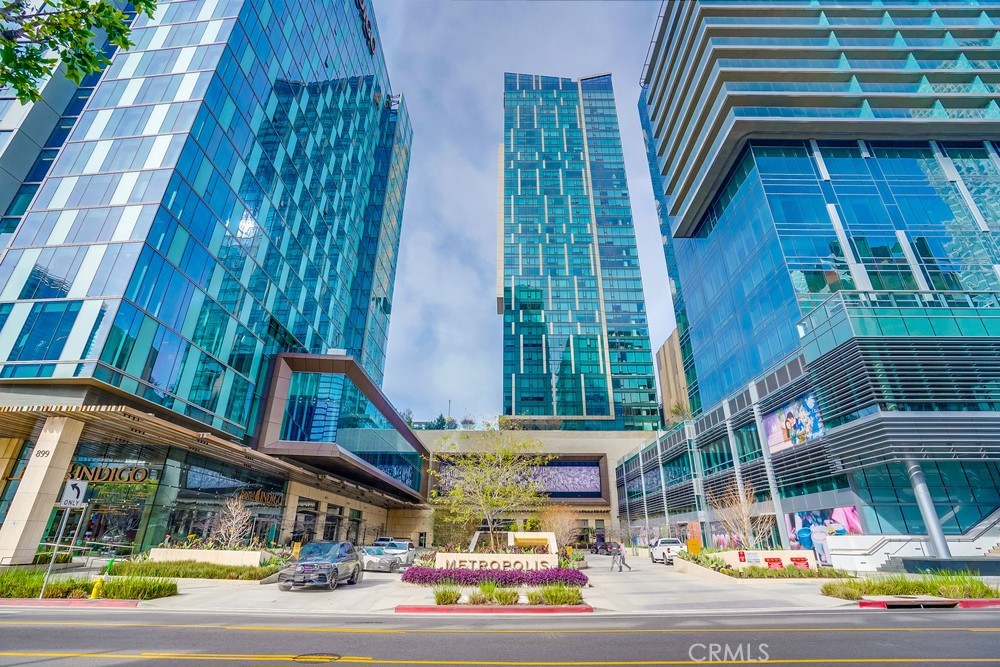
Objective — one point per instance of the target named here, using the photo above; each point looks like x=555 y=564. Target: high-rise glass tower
x=576 y=341
x=229 y=188
x=827 y=174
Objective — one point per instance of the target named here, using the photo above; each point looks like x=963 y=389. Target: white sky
x=447 y=58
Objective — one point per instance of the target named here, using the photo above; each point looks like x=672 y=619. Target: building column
x=10 y=448
x=927 y=510
x=288 y=518
x=772 y=480
x=321 y=508
x=39 y=490
x=698 y=484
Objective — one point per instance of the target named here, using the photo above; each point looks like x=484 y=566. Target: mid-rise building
x=827 y=174
x=576 y=341
x=196 y=279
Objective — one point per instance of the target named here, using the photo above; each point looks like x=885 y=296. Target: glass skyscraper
x=231 y=187
x=576 y=342
x=827 y=175
x=197 y=253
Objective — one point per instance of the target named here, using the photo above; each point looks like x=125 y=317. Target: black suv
x=323 y=564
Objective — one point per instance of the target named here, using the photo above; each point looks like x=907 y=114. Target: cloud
x=448 y=60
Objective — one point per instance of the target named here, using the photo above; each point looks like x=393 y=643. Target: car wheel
x=332 y=580
x=651 y=559
x=284 y=587
x=393 y=567
x=356 y=577
x=667 y=562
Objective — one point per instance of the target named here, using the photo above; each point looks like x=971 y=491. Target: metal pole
x=55 y=552
x=926 y=504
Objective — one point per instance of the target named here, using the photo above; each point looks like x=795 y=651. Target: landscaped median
x=456 y=590
x=18 y=583
x=945 y=589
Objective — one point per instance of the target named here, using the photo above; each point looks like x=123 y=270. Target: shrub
x=488 y=588
x=425 y=576
x=138 y=588
x=194 y=570
x=535 y=597
x=18 y=583
x=478 y=598
x=446 y=595
x=506 y=596
x=956 y=585
x=558 y=594
x=44 y=558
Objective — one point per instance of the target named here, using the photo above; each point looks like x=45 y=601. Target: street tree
x=233 y=523
x=748 y=522
x=561 y=521
x=488 y=476
x=36 y=36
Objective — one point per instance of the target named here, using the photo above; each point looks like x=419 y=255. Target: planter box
x=214 y=556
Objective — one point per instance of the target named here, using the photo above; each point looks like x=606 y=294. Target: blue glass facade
x=576 y=341
x=826 y=174
x=886 y=217
x=233 y=188
x=330 y=408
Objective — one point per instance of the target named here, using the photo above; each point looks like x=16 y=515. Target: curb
x=945 y=604
x=27 y=602
x=483 y=609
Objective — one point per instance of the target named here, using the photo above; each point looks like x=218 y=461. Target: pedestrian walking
x=621 y=561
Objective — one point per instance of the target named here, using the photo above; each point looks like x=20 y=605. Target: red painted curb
x=26 y=602
x=959 y=604
x=978 y=604
x=476 y=609
x=872 y=604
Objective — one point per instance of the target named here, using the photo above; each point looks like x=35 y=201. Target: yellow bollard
x=95 y=592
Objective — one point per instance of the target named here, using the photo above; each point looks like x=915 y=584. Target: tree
x=678 y=412
x=407 y=416
x=562 y=521
x=438 y=424
x=34 y=39
x=233 y=523
x=451 y=531
x=450 y=424
x=492 y=480
x=734 y=509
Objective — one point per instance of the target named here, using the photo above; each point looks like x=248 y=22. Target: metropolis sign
x=525 y=562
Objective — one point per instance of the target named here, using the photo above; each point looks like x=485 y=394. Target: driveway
x=656 y=587
x=377 y=592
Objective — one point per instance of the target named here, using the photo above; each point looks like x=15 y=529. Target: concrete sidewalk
x=656 y=587
x=648 y=588
x=378 y=592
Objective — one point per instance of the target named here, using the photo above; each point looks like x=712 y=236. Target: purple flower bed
x=429 y=576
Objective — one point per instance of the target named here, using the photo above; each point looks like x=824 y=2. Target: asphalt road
x=122 y=638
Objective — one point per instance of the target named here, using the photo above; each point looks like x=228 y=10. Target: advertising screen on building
x=810 y=529
x=793 y=424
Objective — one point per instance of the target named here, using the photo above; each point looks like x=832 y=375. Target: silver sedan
x=375 y=558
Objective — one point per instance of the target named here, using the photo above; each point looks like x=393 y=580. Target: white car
x=664 y=550
x=401 y=549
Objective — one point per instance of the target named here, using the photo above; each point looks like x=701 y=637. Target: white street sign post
x=73 y=494
x=72 y=498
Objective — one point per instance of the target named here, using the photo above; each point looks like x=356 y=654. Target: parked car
x=403 y=549
x=323 y=564
x=605 y=548
x=664 y=550
x=382 y=541
x=375 y=558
